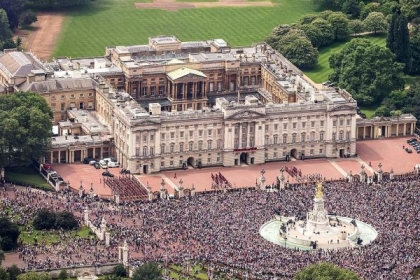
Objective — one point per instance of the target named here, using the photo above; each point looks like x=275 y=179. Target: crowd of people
x=221 y=229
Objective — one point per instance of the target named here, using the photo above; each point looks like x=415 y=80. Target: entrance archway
x=244 y=158
x=294 y=153
x=342 y=153
x=145 y=169
x=190 y=161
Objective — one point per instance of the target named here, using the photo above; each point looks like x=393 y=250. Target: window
x=72 y=96
x=321 y=136
x=285 y=126
x=161 y=90
x=137 y=138
x=209 y=142
x=144 y=91
x=312 y=136
x=200 y=145
x=162 y=164
x=294 y=138
x=266 y=140
x=171 y=163
x=266 y=127
x=172 y=135
x=209 y=132
x=162 y=148
x=181 y=147
x=348 y=135
x=340 y=136
x=251 y=141
x=152 y=137
x=90 y=105
x=320 y=151
x=81 y=105
x=90 y=94
x=236 y=143
x=63 y=106
x=334 y=123
x=322 y=123
x=303 y=124
x=275 y=155
x=190 y=146
x=53 y=107
x=334 y=136
x=276 y=127
x=303 y=137
x=162 y=136
x=275 y=139
x=137 y=152
x=211 y=86
x=219 y=144
x=152 y=151
x=219 y=86
x=341 y=122
x=152 y=90
x=81 y=95
x=144 y=138
x=284 y=138
x=145 y=151
x=348 y=121
x=219 y=131
x=294 y=125
x=200 y=133
x=312 y=124
x=172 y=148
x=311 y=151
x=181 y=134
x=191 y=133
x=208 y=160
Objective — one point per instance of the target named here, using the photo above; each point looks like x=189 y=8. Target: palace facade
x=171 y=104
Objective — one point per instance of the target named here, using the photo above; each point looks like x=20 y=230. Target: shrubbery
x=47 y=219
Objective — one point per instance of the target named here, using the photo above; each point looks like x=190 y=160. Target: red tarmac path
x=389 y=152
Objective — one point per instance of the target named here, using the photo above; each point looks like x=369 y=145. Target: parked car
x=97 y=165
x=103 y=164
x=408 y=150
x=88 y=160
x=411 y=140
x=113 y=164
x=107 y=174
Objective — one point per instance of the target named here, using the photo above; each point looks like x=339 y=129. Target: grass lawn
x=26 y=175
x=49 y=236
x=86 y=32
x=322 y=71
x=369 y=111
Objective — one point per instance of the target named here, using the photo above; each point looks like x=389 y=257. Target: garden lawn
x=28 y=237
x=322 y=71
x=86 y=32
x=26 y=175
x=369 y=111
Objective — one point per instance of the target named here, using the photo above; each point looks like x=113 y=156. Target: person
x=175 y=176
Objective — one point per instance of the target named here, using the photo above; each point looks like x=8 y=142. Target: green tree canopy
x=340 y=25
x=4 y=275
x=44 y=219
x=325 y=271
x=9 y=233
x=25 y=128
x=148 y=271
x=296 y=47
x=66 y=220
x=5 y=32
x=369 y=72
x=356 y=26
x=14 y=272
x=34 y=276
x=119 y=271
x=376 y=23
x=398 y=40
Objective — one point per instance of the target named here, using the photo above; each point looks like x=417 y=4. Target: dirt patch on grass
x=171 y=5
x=43 y=35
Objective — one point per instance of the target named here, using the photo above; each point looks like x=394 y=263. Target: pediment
x=245 y=114
x=189 y=77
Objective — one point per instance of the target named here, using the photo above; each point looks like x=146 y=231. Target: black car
x=97 y=165
x=408 y=150
x=411 y=140
x=88 y=159
x=107 y=174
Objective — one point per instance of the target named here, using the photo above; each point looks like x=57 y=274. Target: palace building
x=171 y=104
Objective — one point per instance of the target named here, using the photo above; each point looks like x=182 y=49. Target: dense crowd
x=222 y=228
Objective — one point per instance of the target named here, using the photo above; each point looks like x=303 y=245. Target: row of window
x=149 y=151
x=285 y=153
x=72 y=96
x=181 y=162
x=72 y=105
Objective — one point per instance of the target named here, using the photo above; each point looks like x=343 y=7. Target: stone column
x=363 y=174
x=193 y=190
x=240 y=135
x=162 y=189
x=181 y=189
x=107 y=238
x=380 y=172
x=391 y=174
x=248 y=133
x=86 y=216
x=117 y=198
x=81 y=191
x=125 y=253
x=262 y=180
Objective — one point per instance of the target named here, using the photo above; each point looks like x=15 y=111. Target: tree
x=25 y=128
x=5 y=32
x=323 y=271
x=410 y=8
x=296 y=47
x=351 y=7
x=2 y=257
x=14 y=272
x=44 y=219
x=119 y=271
x=63 y=275
x=9 y=233
x=375 y=22
x=66 y=220
x=13 y=9
x=369 y=72
x=326 y=31
x=398 y=40
x=369 y=8
x=3 y=274
x=313 y=33
x=414 y=63
x=340 y=25
x=356 y=26
x=34 y=276
x=148 y=271
x=27 y=18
